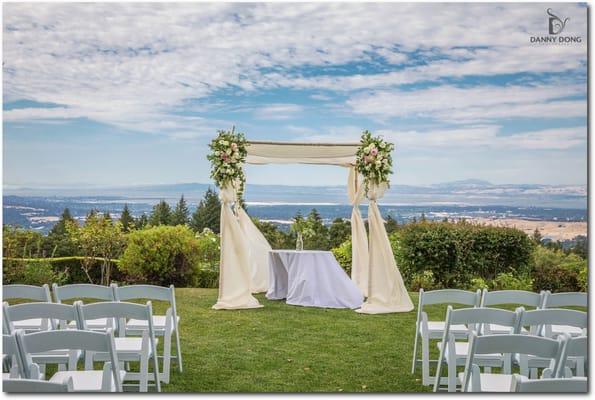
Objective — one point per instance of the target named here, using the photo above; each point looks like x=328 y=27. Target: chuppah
x=247 y=260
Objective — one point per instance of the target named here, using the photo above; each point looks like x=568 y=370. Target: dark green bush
x=343 y=255
x=553 y=270
x=161 y=255
x=207 y=278
x=458 y=252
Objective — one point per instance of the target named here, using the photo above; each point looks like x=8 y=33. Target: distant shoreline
x=555 y=230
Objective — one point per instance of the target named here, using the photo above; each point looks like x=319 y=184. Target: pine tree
x=161 y=214
x=126 y=219
x=181 y=214
x=60 y=227
x=391 y=224
x=107 y=216
x=141 y=221
x=58 y=242
x=537 y=236
x=208 y=213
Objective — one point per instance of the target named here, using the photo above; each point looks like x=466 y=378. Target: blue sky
x=110 y=94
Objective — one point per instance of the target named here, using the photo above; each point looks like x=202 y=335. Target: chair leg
x=166 y=357
x=143 y=385
x=178 y=349
x=425 y=361
x=452 y=377
x=580 y=367
x=413 y=362
x=533 y=373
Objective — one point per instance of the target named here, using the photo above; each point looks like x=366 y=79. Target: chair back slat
x=36 y=386
x=20 y=312
x=501 y=297
x=113 y=309
x=83 y=291
x=515 y=343
x=450 y=296
x=483 y=316
x=521 y=384
x=553 y=316
x=577 y=346
x=28 y=292
x=566 y=299
x=39 y=342
x=135 y=292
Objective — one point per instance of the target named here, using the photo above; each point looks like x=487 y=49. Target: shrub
x=423 y=280
x=458 y=252
x=207 y=278
x=208 y=248
x=508 y=281
x=583 y=279
x=477 y=283
x=556 y=271
x=162 y=255
x=343 y=255
x=33 y=272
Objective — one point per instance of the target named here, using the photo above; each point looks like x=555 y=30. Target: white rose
x=378 y=163
x=228 y=151
x=382 y=145
x=367 y=150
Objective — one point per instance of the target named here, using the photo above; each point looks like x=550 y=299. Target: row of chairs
x=427 y=330
x=528 y=358
x=110 y=313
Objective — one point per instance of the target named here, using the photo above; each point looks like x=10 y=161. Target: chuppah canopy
x=244 y=250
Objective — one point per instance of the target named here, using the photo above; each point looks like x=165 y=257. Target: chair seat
x=571 y=330
x=492 y=382
x=462 y=350
x=436 y=329
x=159 y=323
x=128 y=349
x=84 y=381
x=93 y=324
x=496 y=329
x=33 y=324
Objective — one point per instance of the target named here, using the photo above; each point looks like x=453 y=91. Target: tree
x=126 y=219
x=161 y=214
x=141 y=221
x=181 y=214
x=339 y=231
x=107 y=215
x=58 y=242
x=537 y=236
x=208 y=213
x=391 y=225
x=99 y=240
x=320 y=238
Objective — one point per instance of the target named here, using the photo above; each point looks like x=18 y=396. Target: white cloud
x=278 y=111
x=133 y=65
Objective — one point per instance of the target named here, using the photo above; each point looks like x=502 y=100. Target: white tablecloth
x=311 y=278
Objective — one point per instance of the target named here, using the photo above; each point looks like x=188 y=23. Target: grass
x=283 y=348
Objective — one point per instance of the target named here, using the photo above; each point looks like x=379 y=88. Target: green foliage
x=424 y=279
x=209 y=250
x=101 y=238
x=583 y=279
x=65 y=269
x=509 y=281
x=391 y=225
x=181 y=215
x=459 y=252
x=126 y=219
x=477 y=283
x=343 y=255
x=556 y=271
x=162 y=255
x=276 y=238
x=23 y=243
x=207 y=278
x=141 y=222
x=208 y=213
x=338 y=232
x=161 y=214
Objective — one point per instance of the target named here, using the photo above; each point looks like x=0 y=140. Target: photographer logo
x=555 y=26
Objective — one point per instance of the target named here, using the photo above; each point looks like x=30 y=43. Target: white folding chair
x=36 y=386
x=522 y=384
x=164 y=325
x=82 y=291
x=565 y=299
x=536 y=321
x=574 y=356
x=428 y=330
x=11 y=357
x=107 y=380
x=454 y=353
x=473 y=380
x=142 y=349
x=59 y=316
x=33 y=293
x=502 y=297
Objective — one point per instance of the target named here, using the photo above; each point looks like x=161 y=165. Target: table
x=311 y=278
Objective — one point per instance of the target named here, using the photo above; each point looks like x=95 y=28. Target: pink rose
x=374 y=151
x=234 y=146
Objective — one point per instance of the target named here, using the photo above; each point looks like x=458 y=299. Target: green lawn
x=283 y=348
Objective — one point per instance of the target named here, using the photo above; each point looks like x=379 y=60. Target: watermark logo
x=555 y=23
x=555 y=26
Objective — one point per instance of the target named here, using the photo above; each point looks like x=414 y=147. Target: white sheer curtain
x=258 y=252
x=234 y=267
x=386 y=290
x=359 y=237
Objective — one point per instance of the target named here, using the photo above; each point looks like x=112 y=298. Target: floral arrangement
x=228 y=153
x=373 y=159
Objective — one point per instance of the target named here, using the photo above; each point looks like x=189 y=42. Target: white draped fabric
x=301 y=153
x=359 y=237
x=234 y=272
x=258 y=252
x=386 y=290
